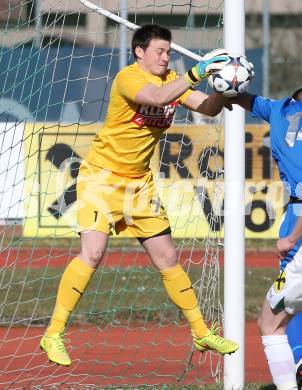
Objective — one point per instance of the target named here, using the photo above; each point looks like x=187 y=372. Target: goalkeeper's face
x=155 y=58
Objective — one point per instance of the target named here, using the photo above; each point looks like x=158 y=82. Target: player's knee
x=92 y=256
x=169 y=257
x=265 y=326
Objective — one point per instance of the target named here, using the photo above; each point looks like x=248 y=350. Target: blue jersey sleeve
x=261 y=108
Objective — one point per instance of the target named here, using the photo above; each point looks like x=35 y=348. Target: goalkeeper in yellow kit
x=115 y=189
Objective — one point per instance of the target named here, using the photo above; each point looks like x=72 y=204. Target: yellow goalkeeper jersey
x=126 y=141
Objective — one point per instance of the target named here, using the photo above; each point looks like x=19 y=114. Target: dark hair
x=144 y=34
x=296 y=93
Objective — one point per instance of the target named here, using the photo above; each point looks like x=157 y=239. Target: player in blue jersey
x=294 y=327
x=284 y=298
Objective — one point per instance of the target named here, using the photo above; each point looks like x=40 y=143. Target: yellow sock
x=179 y=288
x=72 y=285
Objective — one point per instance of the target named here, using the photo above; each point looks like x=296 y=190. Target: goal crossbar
x=134 y=26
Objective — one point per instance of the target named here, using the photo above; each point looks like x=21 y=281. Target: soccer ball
x=234 y=78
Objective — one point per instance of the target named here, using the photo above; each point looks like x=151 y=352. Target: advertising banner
x=187 y=168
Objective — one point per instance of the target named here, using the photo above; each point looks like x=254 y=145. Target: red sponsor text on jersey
x=160 y=117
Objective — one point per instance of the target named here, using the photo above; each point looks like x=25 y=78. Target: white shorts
x=286 y=291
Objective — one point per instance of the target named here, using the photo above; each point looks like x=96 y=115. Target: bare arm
x=244 y=100
x=210 y=105
x=287 y=243
x=160 y=96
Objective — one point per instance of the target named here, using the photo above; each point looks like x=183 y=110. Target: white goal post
x=234 y=173
x=234 y=176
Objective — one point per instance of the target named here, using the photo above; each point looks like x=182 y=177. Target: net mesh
x=58 y=59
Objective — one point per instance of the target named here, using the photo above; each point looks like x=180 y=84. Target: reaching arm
x=287 y=243
x=162 y=95
x=209 y=105
x=244 y=100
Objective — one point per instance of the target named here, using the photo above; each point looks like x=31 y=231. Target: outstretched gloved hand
x=211 y=62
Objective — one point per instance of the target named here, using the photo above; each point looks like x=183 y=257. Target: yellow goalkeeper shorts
x=110 y=203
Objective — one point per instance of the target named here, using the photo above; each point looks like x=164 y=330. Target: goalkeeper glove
x=211 y=62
